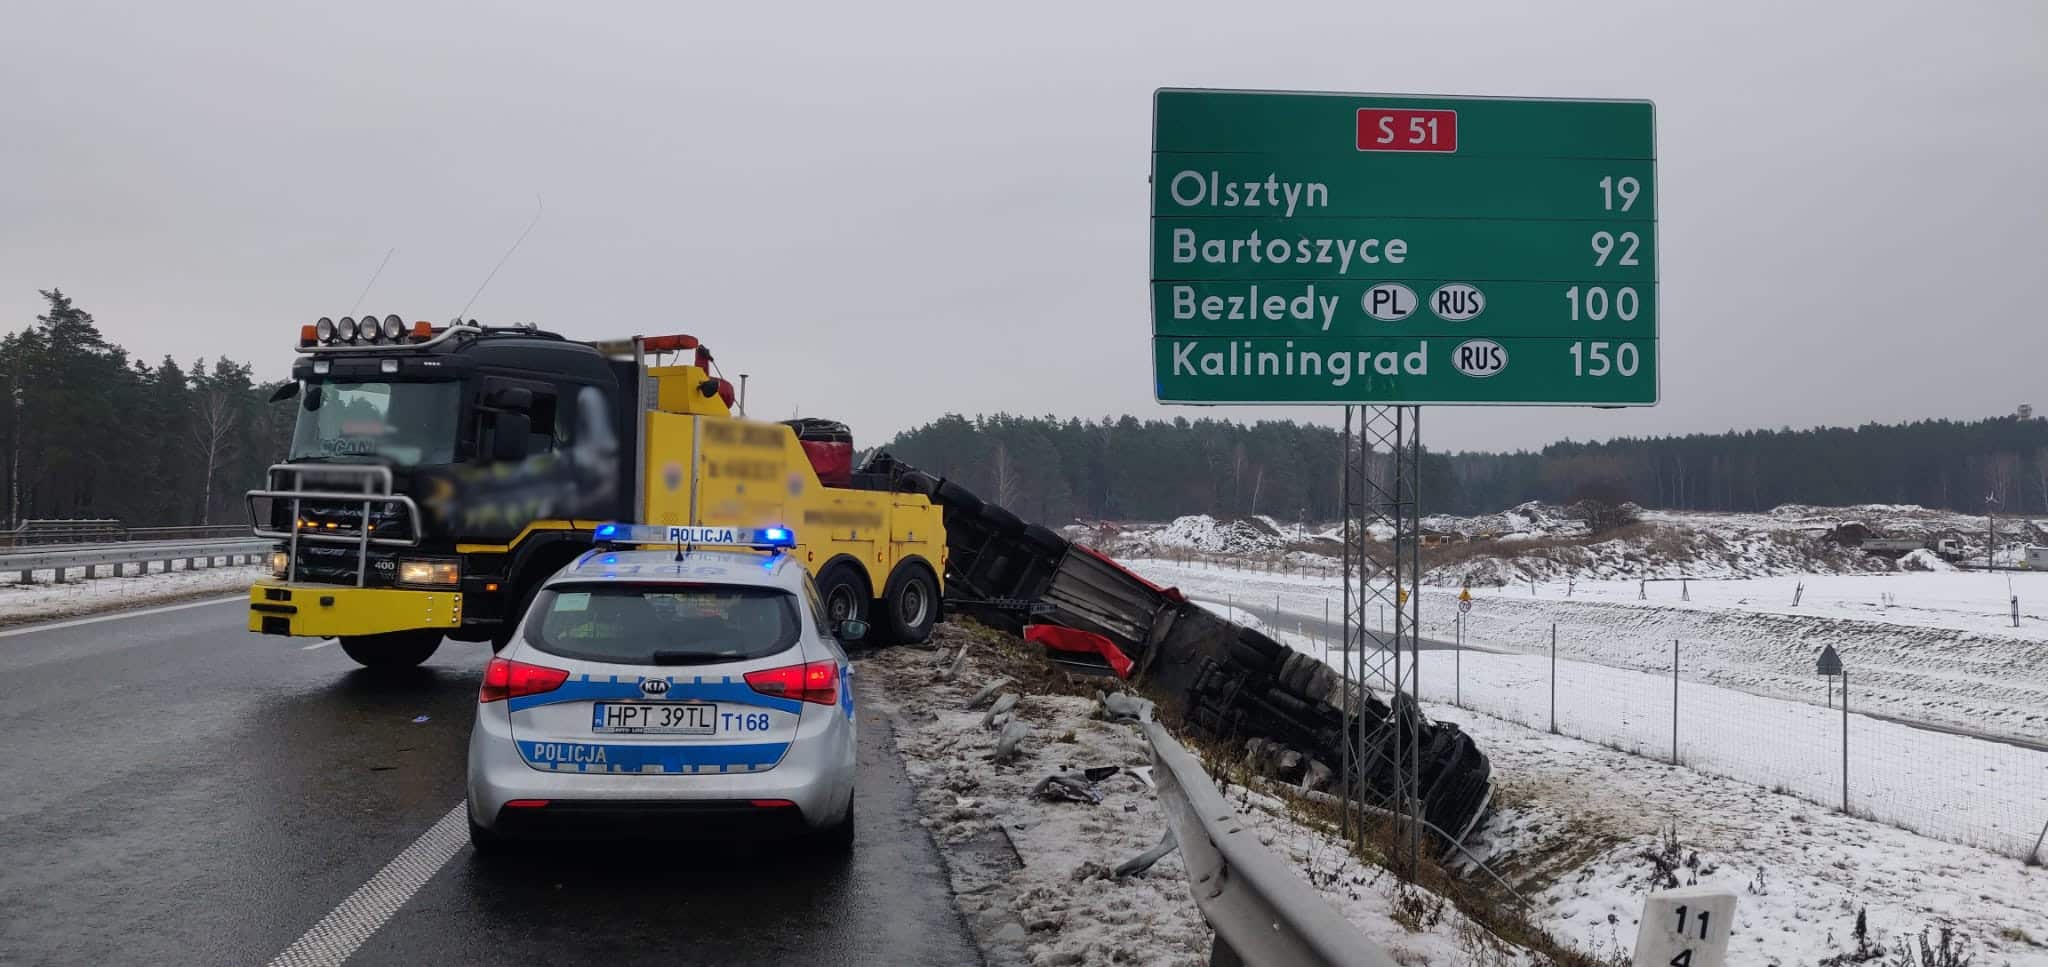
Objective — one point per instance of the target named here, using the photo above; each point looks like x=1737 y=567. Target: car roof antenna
x=539 y=206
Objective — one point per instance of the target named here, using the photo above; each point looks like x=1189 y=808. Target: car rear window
x=663 y=624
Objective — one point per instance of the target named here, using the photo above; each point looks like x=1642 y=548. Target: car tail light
x=504 y=678
x=526 y=803
x=770 y=803
x=817 y=682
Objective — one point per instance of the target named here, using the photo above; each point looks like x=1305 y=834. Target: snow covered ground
x=1549 y=542
x=1925 y=647
x=44 y=600
x=1033 y=874
x=1954 y=787
x=1577 y=825
x=1578 y=829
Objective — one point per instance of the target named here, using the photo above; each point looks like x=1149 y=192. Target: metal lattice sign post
x=1385 y=251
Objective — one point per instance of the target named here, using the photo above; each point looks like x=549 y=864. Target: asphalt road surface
x=175 y=790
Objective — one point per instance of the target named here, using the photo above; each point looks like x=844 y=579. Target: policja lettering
x=1307 y=306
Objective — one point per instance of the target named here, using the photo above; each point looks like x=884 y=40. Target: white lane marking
x=322 y=643
x=347 y=926
x=115 y=615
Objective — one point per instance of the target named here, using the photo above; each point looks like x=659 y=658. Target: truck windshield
x=410 y=424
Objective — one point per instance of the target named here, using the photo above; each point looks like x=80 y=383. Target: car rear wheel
x=912 y=604
x=484 y=841
x=838 y=837
x=398 y=649
x=845 y=594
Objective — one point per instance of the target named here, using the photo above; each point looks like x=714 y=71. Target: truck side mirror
x=517 y=399
x=285 y=390
x=508 y=437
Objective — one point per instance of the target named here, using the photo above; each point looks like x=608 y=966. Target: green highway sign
x=1338 y=248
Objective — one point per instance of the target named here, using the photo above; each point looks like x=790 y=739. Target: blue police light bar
x=765 y=537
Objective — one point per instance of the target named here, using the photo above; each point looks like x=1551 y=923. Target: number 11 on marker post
x=1685 y=928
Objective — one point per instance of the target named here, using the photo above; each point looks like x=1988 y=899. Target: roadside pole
x=1553 y=678
x=1458 y=665
x=1845 y=740
x=1674 y=701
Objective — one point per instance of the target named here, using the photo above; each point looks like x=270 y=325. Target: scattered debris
x=1007 y=702
x=1143 y=861
x=1011 y=741
x=1119 y=707
x=1070 y=786
x=987 y=692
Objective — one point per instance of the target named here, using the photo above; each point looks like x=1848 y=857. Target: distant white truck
x=1946 y=548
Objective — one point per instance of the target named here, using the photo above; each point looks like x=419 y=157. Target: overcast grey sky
x=888 y=211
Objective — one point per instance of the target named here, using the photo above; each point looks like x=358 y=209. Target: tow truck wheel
x=911 y=604
x=845 y=594
x=399 y=649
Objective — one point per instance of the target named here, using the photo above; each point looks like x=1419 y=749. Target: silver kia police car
x=675 y=682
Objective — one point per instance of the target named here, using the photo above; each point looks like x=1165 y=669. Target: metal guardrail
x=1263 y=915
x=49 y=533
x=144 y=553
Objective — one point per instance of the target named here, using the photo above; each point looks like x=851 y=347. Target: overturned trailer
x=1230 y=682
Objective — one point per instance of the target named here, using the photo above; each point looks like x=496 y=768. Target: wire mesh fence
x=1961 y=788
x=1981 y=791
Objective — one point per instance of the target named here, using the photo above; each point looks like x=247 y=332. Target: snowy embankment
x=1579 y=830
x=1588 y=832
x=1033 y=873
x=45 y=600
x=1925 y=647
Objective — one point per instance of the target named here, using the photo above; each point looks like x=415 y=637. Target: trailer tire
x=1253 y=660
x=844 y=591
x=956 y=497
x=910 y=604
x=397 y=649
x=1001 y=521
x=1045 y=539
x=917 y=482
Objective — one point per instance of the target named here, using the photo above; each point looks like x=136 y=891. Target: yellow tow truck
x=437 y=474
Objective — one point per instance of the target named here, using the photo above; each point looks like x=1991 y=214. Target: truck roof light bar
x=350 y=339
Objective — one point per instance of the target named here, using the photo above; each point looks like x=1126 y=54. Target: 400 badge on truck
x=437 y=474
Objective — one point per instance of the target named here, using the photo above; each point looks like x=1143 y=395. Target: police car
x=673 y=682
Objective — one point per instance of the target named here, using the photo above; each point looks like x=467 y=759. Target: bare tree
x=2002 y=475
x=214 y=432
x=1006 y=476
x=2041 y=474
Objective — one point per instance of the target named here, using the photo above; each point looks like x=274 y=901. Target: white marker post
x=1686 y=928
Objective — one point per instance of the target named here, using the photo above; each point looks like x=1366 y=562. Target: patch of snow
x=1200 y=532
x=1927 y=647
x=1581 y=823
x=47 y=600
x=1924 y=560
x=1047 y=897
